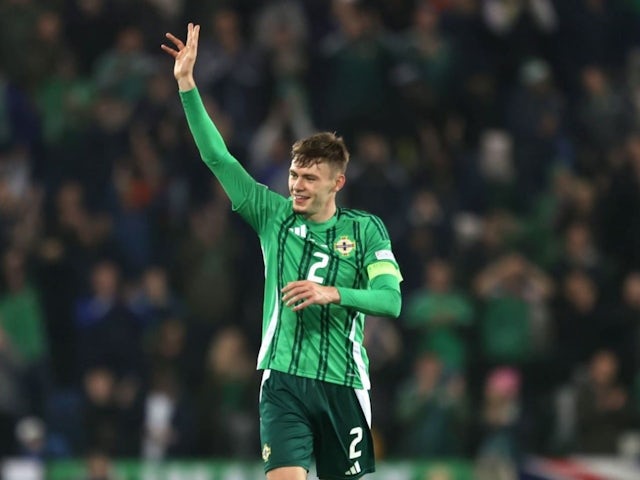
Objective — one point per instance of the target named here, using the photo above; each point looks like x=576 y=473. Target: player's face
x=313 y=190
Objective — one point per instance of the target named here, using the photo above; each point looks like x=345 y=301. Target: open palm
x=184 y=54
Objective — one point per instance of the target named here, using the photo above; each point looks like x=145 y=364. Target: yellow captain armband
x=383 y=268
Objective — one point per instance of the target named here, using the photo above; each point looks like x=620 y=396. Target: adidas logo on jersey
x=300 y=231
x=355 y=468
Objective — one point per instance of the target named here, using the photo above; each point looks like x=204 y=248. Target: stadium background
x=497 y=139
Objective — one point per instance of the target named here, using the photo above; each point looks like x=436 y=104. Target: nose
x=297 y=184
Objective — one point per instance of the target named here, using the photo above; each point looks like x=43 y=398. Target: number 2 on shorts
x=357 y=434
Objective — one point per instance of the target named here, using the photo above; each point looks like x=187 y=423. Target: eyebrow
x=305 y=175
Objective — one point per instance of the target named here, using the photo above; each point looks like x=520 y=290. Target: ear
x=340 y=181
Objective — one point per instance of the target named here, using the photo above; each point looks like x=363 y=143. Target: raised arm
x=247 y=196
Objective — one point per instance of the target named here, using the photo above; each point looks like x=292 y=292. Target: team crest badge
x=344 y=246
x=266 y=452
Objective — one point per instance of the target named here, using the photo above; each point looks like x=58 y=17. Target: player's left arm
x=382 y=298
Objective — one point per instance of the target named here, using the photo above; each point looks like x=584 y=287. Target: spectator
x=228 y=425
x=536 y=119
x=620 y=214
x=21 y=318
x=498 y=235
x=427 y=235
x=108 y=332
x=603 y=119
x=431 y=410
x=206 y=257
x=425 y=66
x=170 y=348
x=31 y=434
x=515 y=318
x=168 y=422
x=501 y=434
x=99 y=417
x=356 y=66
x=603 y=407
x=154 y=300
x=441 y=315
x=138 y=186
x=580 y=252
x=123 y=69
x=64 y=99
x=13 y=398
x=20 y=198
x=18 y=21
x=579 y=309
x=282 y=32
x=520 y=29
x=91 y=19
x=623 y=332
x=377 y=183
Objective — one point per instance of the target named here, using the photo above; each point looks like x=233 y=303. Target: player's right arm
x=247 y=196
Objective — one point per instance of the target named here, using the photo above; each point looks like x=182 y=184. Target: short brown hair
x=321 y=147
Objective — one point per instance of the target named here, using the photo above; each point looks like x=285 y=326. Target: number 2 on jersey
x=324 y=260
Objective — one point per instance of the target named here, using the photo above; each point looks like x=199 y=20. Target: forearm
x=207 y=137
x=382 y=299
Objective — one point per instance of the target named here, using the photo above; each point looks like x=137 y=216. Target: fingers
x=302 y=293
x=193 y=32
x=196 y=36
x=170 y=51
x=301 y=305
x=293 y=294
x=176 y=41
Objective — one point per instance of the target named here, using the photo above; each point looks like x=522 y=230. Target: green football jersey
x=321 y=341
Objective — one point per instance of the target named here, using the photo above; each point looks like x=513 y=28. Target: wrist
x=186 y=83
x=335 y=294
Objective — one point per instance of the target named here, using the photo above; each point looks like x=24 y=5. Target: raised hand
x=184 y=55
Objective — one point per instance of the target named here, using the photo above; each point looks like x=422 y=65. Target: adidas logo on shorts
x=355 y=468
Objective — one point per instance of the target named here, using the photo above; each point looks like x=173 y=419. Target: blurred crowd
x=499 y=140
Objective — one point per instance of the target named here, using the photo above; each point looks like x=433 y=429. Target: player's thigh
x=285 y=430
x=344 y=448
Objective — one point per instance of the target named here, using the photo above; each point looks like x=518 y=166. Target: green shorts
x=302 y=418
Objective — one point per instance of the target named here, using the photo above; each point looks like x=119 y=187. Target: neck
x=324 y=215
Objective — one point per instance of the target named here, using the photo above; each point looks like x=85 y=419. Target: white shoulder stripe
x=385 y=255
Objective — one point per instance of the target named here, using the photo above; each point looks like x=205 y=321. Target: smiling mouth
x=300 y=198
